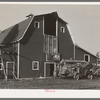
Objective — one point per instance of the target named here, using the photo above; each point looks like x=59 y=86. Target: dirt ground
x=51 y=83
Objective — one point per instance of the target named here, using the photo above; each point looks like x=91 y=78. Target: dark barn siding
x=65 y=42
x=31 y=49
x=93 y=59
x=79 y=55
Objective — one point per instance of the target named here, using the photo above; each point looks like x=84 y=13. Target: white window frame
x=63 y=29
x=88 y=57
x=47 y=58
x=37 y=65
x=37 y=23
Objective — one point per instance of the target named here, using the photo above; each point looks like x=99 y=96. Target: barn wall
x=31 y=49
x=79 y=55
x=65 y=42
x=93 y=59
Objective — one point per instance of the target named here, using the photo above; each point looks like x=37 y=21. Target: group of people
x=60 y=67
x=63 y=68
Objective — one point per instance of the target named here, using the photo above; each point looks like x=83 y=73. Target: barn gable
x=65 y=41
x=16 y=32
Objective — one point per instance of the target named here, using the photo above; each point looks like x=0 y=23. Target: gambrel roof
x=16 y=32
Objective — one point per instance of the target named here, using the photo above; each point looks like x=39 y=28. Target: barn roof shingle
x=14 y=33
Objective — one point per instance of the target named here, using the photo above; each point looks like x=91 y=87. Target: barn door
x=49 y=69
x=10 y=69
x=50 y=24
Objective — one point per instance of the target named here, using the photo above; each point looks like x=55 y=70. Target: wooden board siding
x=79 y=55
x=65 y=42
x=93 y=59
x=31 y=49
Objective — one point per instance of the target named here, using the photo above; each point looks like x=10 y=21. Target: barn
x=28 y=48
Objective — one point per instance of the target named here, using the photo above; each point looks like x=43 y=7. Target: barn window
x=87 y=57
x=35 y=65
x=36 y=24
x=63 y=29
x=50 y=44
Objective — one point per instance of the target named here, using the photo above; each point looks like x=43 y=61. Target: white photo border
x=34 y=93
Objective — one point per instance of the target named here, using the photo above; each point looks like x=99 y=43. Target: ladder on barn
x=2 y=66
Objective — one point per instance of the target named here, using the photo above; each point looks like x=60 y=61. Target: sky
x=83 y=20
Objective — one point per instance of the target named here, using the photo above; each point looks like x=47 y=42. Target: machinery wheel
x=76 y=77
x=90 y=76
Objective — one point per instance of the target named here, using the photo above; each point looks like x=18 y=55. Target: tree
x=98 y=57
x=98 y=54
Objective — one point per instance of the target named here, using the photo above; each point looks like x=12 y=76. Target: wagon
x=76 y=69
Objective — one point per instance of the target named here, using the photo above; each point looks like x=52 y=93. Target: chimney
x=30 y=15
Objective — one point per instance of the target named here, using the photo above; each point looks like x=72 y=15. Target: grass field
x=50 y=83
